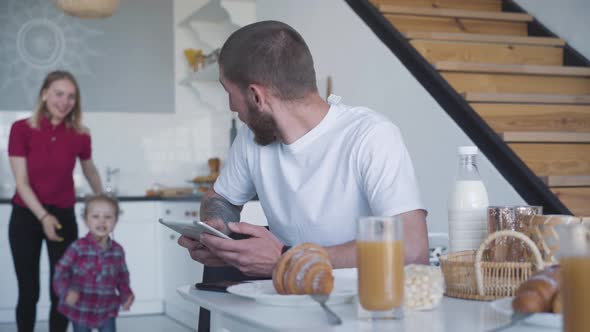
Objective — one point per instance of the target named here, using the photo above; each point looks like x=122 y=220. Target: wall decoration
x=123 y=63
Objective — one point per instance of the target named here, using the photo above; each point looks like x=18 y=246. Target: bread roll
x=537 y=293
x=303 y=269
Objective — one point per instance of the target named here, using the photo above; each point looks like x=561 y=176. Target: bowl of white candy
x=424 y=287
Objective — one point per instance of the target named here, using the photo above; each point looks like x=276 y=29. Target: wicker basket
x=468 y=277
x=541 y=229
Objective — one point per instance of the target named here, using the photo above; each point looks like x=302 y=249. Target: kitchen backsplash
x=147 y=148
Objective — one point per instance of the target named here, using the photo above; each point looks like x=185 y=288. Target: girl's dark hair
x=271 y=54
x=101 y=198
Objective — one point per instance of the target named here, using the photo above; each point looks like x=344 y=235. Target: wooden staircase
x=520 y=84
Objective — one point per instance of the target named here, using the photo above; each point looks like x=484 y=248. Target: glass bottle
x=467 y=205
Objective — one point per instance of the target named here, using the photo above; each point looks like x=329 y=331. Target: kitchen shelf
x=210 y=25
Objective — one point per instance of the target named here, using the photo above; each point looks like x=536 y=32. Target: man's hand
x=218 y=224
x=199 y=252
x=72 y=297
x=255 y=256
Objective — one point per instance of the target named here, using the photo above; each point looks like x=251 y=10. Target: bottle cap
x=467 y=150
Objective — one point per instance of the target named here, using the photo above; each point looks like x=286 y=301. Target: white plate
x=504 y=306
x=263 y=291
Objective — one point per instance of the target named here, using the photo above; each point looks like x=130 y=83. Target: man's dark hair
x=271 y=54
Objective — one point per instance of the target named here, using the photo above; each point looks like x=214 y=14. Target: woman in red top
x=43 y=150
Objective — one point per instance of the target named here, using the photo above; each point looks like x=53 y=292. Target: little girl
x=91 y=279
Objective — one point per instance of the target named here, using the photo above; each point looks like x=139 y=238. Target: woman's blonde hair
x=74 y=118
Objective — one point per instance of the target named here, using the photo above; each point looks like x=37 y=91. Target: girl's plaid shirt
x=99 y=275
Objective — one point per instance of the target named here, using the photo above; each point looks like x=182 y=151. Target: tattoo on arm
x=218 y=208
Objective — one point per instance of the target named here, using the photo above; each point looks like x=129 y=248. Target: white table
x=235 y=313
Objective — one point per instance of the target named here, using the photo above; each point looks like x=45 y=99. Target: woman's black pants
x=26 y=237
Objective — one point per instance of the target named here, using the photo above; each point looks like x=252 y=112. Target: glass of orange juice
x=574 y=258
x=380 y=262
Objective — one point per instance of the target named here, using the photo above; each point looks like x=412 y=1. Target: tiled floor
x=151 y=323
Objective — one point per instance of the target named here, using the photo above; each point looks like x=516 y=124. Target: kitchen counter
x=189 y=198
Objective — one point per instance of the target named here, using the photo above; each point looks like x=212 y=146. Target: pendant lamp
x=88 y=8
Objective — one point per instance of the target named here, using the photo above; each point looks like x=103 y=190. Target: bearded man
x=316 y=166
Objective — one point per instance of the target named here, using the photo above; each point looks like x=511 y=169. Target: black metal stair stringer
x=530 y=187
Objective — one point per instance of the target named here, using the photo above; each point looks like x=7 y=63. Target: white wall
x=566 y=18
x=169 y=148
x=366 y=73
x=165 y=148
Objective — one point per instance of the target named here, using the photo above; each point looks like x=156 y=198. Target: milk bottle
x=467 y=204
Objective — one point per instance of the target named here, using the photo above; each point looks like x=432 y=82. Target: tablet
x=192 y=229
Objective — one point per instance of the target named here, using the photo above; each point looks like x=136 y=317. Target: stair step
x=554 y=158
x=566 y=181
x=406 y=23
x=481 y=5
x=545 y=137
x=443 y=52
x=526 y=98
x=456 y=13
x=576 y=199
x=485 y=38
x=517 y=83
x=535 y=117
x=513 y=69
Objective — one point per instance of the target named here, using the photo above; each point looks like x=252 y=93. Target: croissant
x=303 y=269
x=538 y=293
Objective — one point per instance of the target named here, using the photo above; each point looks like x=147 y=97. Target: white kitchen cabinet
x=157 y=264
x=79 y=211
x=8 y=283
x=178 y=268
x=138 y=233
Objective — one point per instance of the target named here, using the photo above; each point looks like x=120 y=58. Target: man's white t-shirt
x=353 y=163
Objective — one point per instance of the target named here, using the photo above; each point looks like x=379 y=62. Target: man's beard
x=262 y=125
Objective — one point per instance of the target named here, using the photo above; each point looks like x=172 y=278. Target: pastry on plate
x=304 y=269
